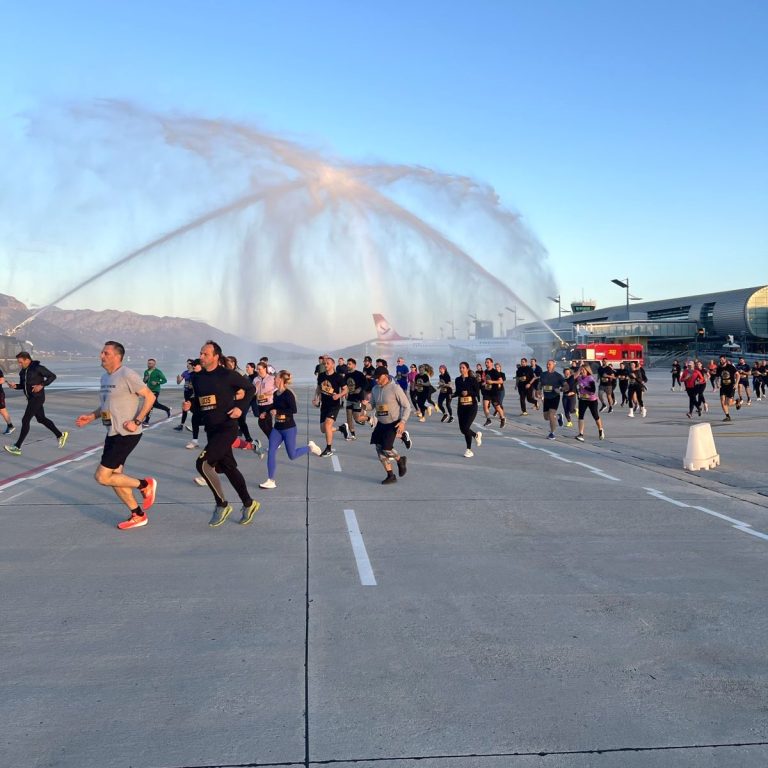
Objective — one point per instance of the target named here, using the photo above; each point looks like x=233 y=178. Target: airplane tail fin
x=384 y=331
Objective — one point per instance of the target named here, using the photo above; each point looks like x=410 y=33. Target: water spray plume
x=308 y=247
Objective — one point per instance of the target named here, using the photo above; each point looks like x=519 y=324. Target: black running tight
x=467 y=414
x=35 y=410
x=444 y=403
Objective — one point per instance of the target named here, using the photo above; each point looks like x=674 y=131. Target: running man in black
x=445 y=385
x=356 y=383
x=222 y=396
x=525 y=379
x=492 y=384
x=331 y=390
x=729 y=383
x=467 y=392
x=33 y=379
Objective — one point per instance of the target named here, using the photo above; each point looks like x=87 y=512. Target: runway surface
x=545 y=603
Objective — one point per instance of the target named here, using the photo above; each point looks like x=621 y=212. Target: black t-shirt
x=551 y=384
x=467 y=390
x=356 y=384
x=446 y=385
x=284 y=404
x=421 y=383
x=330 y=384
x=606 y=374
x=368 y=371
x=524 y=374
x=727 y=374
x=215 y=391
x=493 y=380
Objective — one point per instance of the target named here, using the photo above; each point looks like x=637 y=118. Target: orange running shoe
x=134 y=521
x=149 y=493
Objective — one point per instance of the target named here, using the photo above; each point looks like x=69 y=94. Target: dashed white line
x=739 y=525
x=367 y=579
x=336 y=463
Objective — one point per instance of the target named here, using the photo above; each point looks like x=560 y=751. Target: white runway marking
x=336 y=463
x=367 y=579
x=555 y=455
x=739 y=525
x=596 y=471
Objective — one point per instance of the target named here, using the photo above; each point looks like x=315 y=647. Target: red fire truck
x=614 y=353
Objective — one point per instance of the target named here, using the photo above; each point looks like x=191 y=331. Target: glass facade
x=757 y=313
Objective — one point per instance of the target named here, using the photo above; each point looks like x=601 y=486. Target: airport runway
x=546 y=603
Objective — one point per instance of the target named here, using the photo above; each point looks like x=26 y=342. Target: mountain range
x=84 y=331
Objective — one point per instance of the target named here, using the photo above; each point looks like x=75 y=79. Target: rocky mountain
x=83 y=332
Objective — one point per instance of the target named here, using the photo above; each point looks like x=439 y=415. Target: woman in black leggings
x=446 y=393
x=467 y=391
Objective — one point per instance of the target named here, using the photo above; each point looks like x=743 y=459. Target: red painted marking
x=40 y=468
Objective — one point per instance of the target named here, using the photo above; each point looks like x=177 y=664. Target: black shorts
x=384 y=435
x=728 y=392
x=354 y=405
x=2 y=398
x=588 y=405
x=488 y=394
x=551 y=403
x=117 y=448
x=329 y=411
x=218 y=450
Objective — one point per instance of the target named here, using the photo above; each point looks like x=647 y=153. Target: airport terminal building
x=698 y=326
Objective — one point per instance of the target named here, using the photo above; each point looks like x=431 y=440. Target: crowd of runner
x=218 y=396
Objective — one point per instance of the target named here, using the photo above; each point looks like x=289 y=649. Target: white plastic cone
x=701 y=452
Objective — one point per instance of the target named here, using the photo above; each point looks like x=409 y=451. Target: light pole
x=514 y=314
x=453 y=328
x=625 y=284
x=559 y=303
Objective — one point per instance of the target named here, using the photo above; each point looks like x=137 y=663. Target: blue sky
x=631 y=138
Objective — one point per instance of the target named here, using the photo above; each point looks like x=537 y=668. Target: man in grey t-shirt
x=392 y=409
x=125 y=400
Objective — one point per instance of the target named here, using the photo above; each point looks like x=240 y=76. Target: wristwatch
x=137 y=422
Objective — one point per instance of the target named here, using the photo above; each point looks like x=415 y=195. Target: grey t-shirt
x=390 y=403
x=120 y=400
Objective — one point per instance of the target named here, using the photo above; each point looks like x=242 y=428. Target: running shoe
x=63 y=439
x=523 y=413
x=468 y=454
x=602 y=408
x=727 y=418
x=429 y=410
x=149 y=493
x=568 y=423
x=706 y=408
x=738 y=405
x=352 y=436
x=610 y=409
x=247 y=513
x=389 y=479
x=643 y=411
x=422 y=419
x=344 y=429
x=327 y=452
x=445 y=416
x=199 y=480
x=698 y=410
x=13 y=449
x=688 y=415
x=220 y=514
x=502 y=422
x=401 y=468
x=479 y=438
x=450 y=419
x=601 y=434
x=631 y=413
x=406 y=438
x=579 y=437
x=134 y=521
x=536 y=406
x=268 y=484
x=487 y=423
x=178 y=428
x=559 y=419
x=9 y=430
x=192 y=445
x=551 y=436
x=314 y=448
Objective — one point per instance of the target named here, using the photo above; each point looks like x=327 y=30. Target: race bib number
x=326 y=388
x=382 y=410
x=262 y=398
x=281 y=417
x=106 y=418
x=207 y=402
x=584 y=397
x=465 y=400
x=547 y=387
